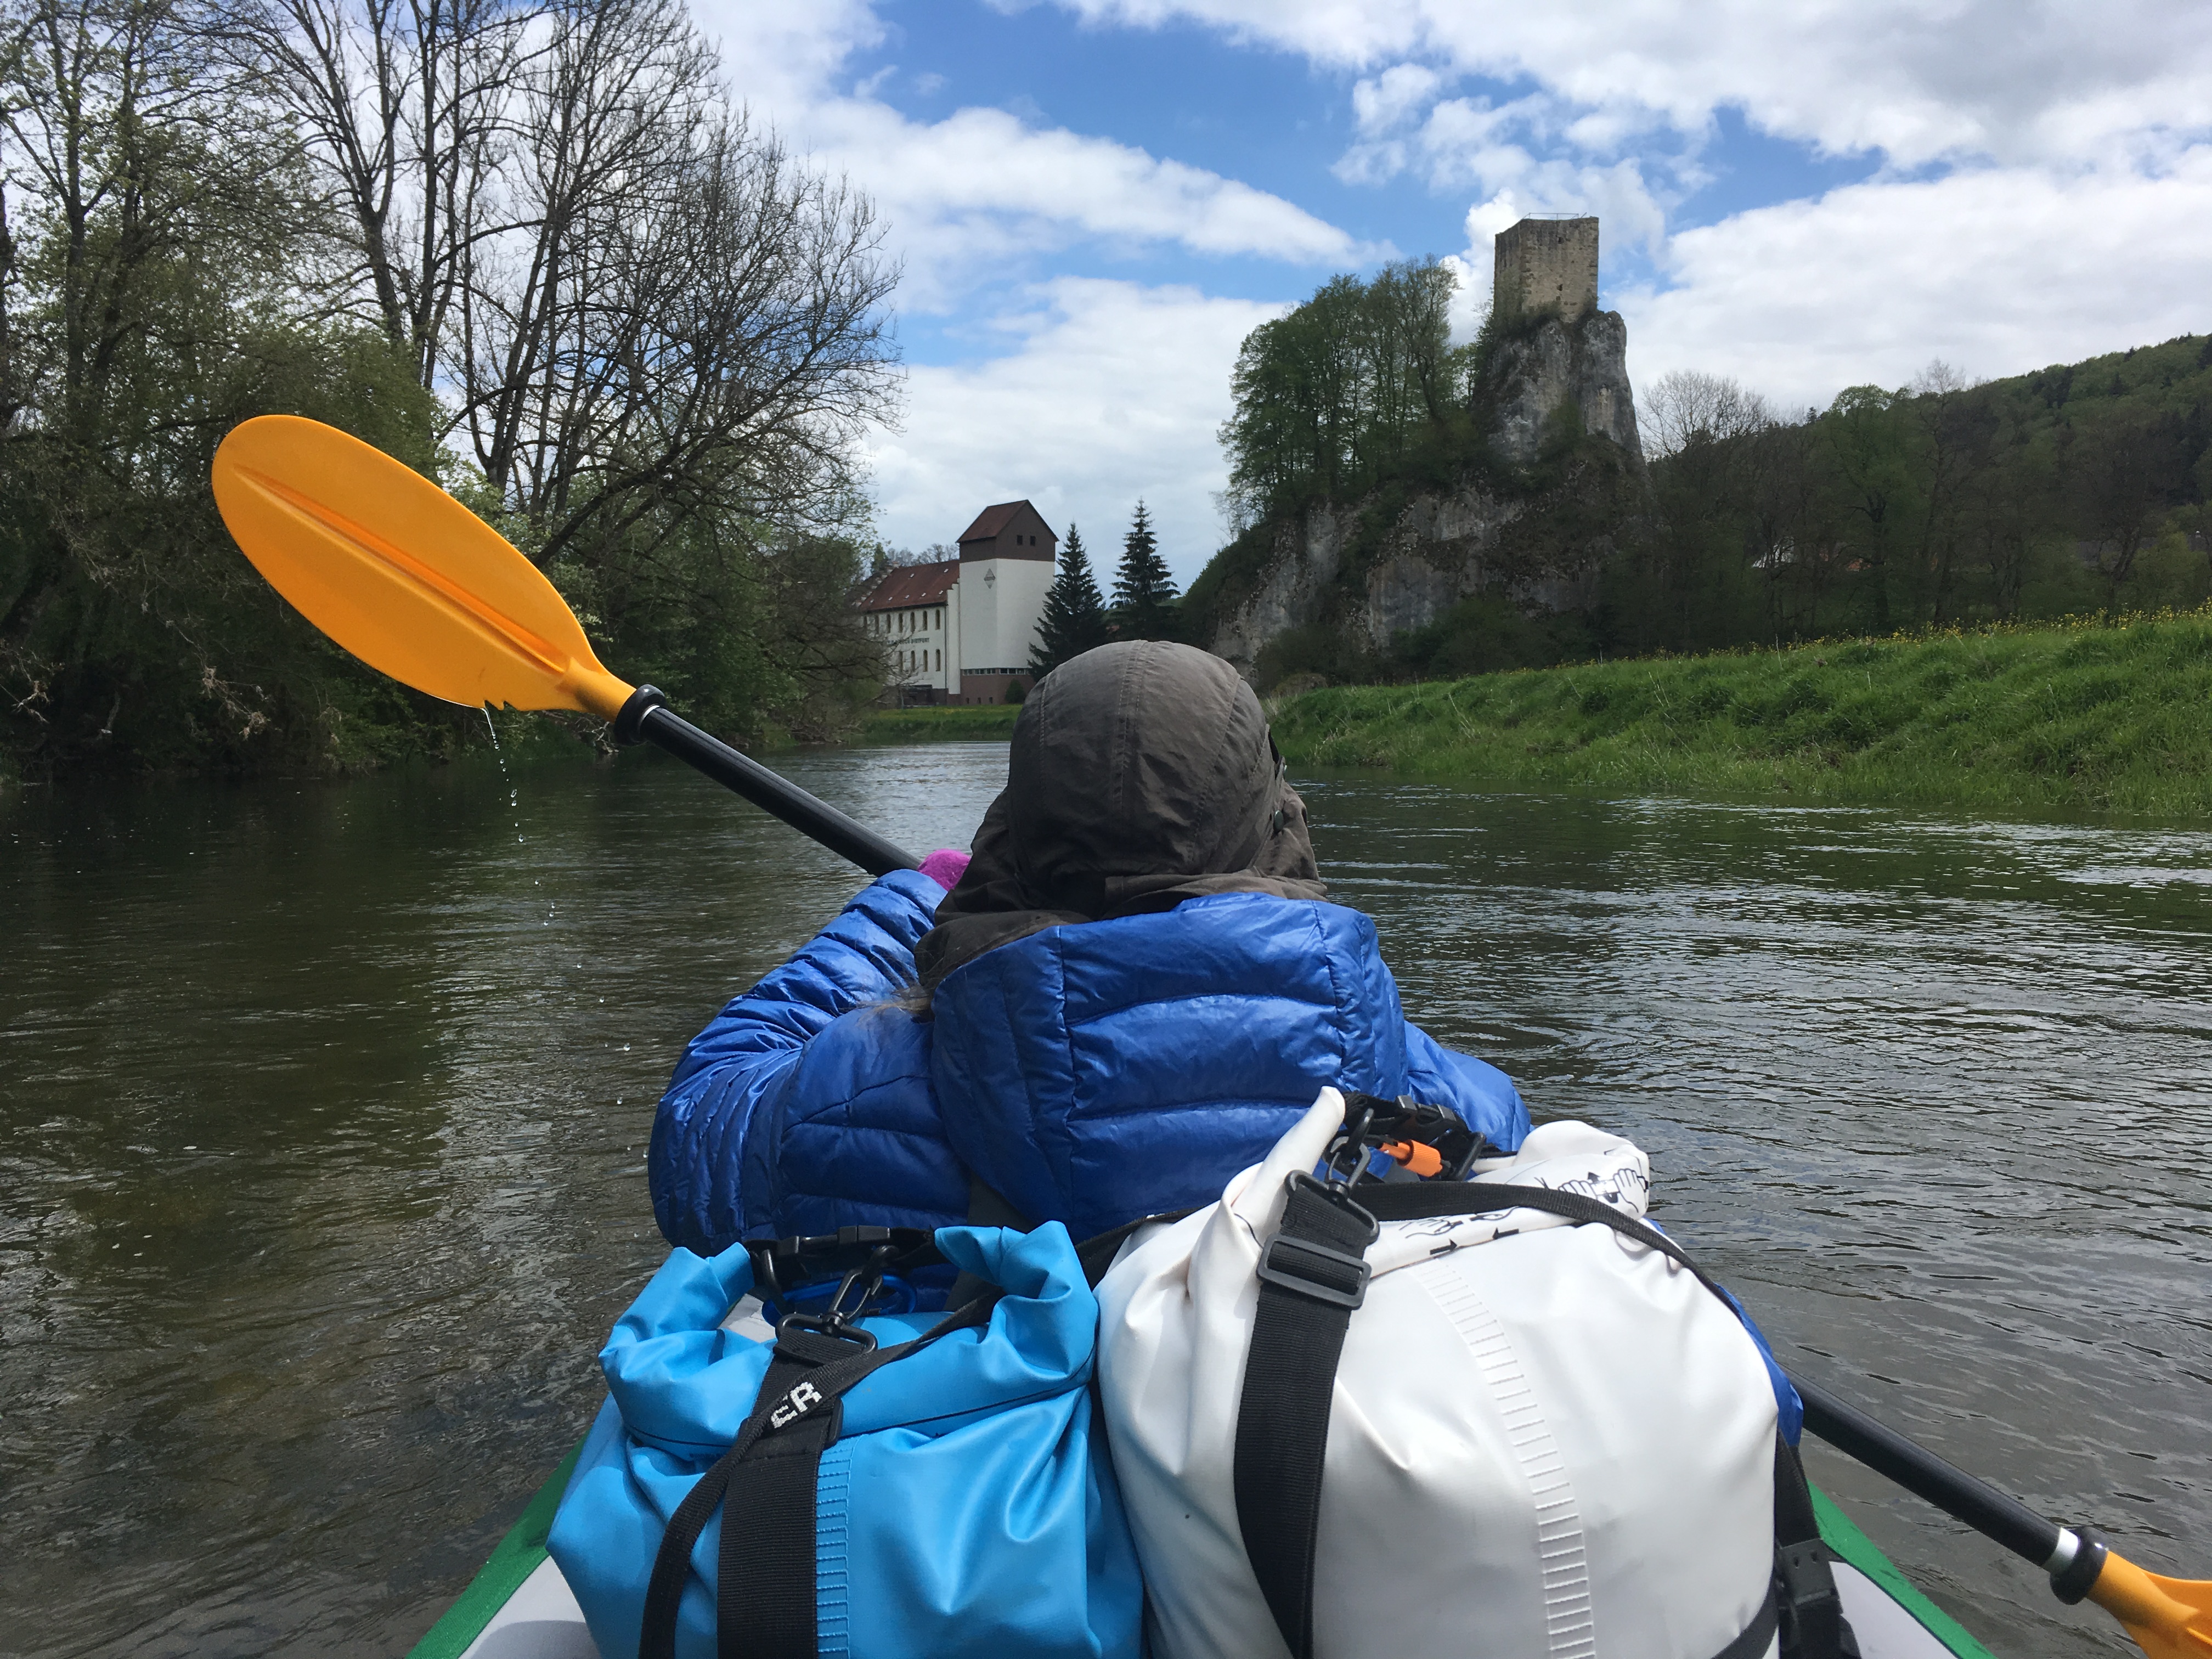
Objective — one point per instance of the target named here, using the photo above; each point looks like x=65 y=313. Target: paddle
x=416 y=586
x=2169 y=1618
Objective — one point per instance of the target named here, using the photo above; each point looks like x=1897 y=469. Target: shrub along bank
x=2097 y=714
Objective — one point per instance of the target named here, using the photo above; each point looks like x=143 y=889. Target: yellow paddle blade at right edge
x=2169 y=1618
x=401 y=574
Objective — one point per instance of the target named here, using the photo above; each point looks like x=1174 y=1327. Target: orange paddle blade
x=401 y=574
x=2169 y=1618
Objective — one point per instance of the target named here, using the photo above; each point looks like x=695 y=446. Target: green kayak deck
x=519 y=1607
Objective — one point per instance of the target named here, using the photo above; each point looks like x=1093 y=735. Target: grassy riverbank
x=2102 y=714
x=941 y=724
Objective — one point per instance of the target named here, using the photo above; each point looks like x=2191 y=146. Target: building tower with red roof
x=960 y=630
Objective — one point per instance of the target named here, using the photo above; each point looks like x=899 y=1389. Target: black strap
x=1312 y=1276
x=1751 y=1641
x=764 y=1572
x=764 y=1585
x=1097 y=1252
x=1810 y=1605
x=1430 y=1200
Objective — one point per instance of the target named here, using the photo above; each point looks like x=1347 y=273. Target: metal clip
x=837 y=1319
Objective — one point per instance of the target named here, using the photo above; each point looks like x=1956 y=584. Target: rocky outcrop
x=1535 y=376
x=1441 y=548
x=1535 y=526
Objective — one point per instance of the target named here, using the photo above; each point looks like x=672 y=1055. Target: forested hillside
x=526 y=248
x=2075 y=489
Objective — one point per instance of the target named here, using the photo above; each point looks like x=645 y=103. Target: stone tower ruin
x=1545 y=266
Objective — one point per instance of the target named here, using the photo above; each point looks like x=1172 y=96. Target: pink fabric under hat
x=946 y=866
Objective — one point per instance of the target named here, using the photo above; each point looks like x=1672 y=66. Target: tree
x=1871 y=467
x=159 y=281
x=1356 y=386
x=1683 y=411
x=2123 y=471
x=528 y=228
x=1144 y=593
x=1074 y=619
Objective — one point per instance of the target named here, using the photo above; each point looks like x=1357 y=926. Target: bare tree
x=1954 y=430
x=688 y=318
x=639 y=308
x=1683 y=407
x=401 y=106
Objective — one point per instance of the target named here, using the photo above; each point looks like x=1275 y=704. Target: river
x=323 y=1110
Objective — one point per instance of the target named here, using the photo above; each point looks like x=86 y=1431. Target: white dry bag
x=1540 y=1438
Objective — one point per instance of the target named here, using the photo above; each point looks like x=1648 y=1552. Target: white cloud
x=985 y=193
x=1995 y=270
x=1110 y=392
x=1470 y=301
x=2012 y=80
x=979 y=192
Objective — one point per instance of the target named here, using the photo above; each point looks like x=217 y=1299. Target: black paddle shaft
x=647 y=718
x=1920 y=1472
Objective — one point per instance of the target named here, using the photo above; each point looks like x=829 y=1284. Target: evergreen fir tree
x=1074 y=618
x=1144 y=593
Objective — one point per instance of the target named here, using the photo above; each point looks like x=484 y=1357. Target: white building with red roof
x=960 y=630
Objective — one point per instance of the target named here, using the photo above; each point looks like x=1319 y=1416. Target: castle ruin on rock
x=1544 y=264
x=1532 y=523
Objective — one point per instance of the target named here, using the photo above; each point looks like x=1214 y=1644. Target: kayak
x=519 y=1607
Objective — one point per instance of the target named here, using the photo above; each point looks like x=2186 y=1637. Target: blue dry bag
x=936 y=1486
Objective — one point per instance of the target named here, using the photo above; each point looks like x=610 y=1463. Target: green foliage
x=170 y=265
x=1144 y=591
x=2070 y=489
x=1358 y=384
x=1074 y=619
x=2094 y=713
x=150 y=298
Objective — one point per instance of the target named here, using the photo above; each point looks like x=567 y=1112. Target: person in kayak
x=1127 y=993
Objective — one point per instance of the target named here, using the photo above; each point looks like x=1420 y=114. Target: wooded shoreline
x=2095 y=713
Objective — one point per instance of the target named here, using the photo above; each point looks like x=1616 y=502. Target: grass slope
x=2089 y=714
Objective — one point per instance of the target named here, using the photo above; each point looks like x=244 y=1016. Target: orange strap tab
x=1423 y=1159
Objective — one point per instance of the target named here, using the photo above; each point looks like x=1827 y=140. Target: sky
x=1094 y=201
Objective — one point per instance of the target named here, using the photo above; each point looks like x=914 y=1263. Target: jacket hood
x=1142 y=774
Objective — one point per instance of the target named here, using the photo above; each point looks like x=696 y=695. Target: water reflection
x=325 y=1107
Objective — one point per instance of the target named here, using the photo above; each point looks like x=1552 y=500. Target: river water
x=323 y=1110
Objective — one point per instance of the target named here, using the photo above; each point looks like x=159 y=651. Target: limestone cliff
x=1560 y=367
x=1532 y=521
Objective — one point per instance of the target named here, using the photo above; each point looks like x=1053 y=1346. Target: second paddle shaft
x=647 y=718
x=2072 y=1560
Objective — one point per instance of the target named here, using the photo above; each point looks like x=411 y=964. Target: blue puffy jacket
x=1088 y=1073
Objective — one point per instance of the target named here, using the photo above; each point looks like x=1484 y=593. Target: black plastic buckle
x=1345 y=1160
x=1276 y=1271
x=784 y=1265
x=826 y=1325
x=1811 y=1608
x=1369 y=1121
